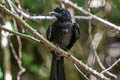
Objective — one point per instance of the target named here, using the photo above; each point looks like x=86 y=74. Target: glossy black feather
x=75 y=35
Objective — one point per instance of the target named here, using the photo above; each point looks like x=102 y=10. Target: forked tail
x=57 y=67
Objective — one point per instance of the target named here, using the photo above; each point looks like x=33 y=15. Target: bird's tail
x=57 y=67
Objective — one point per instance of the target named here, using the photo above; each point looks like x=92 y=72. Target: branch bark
x=20 y=34
x=88 y=13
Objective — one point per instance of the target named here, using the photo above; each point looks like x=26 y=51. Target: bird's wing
x=49 y=32
x=76 y=31
x=75 y=36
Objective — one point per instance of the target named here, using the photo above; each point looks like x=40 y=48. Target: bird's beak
x=54 y=13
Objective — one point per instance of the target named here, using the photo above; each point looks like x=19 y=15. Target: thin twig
x=16 y=29
x=20 y=34
x=22 y=69
x=79 y=63
x=19 y=40
x=101 y=65
x=45 y=17
x=19 y=6
x=113 y=65
x=93 y=16
x=9 y=4
x=90 y=28
x=81 y=72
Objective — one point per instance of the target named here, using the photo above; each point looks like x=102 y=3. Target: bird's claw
x=70 y=54
x=57 y=46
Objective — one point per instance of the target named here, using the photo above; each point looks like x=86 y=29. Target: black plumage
x=63 y=33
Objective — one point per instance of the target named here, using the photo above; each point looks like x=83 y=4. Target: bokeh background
x=36 y=57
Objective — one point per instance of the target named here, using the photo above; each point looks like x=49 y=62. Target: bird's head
x=61 y=14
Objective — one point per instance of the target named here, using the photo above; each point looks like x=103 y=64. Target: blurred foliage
x=1 y=74
x=37 y=58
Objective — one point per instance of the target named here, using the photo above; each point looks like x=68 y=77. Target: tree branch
x=44 y=17
x=44 y=41
x=116 y=62
x=20 y=34
x=93 y=16
x=22 y=69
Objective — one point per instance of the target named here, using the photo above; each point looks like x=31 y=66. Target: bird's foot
x=69 y=53
x=57 y=46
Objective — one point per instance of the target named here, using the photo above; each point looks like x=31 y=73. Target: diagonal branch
x=20 y=34
x=109 y=68
x=93 y=16
x=101 y=65
x=44 y=41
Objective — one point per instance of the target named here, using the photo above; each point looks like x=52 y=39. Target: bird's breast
x=62 y=36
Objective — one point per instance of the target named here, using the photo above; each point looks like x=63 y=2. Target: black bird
x=63 y=33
